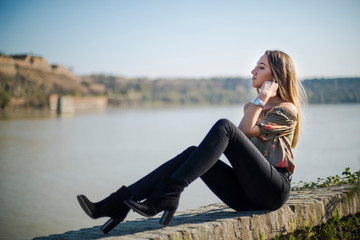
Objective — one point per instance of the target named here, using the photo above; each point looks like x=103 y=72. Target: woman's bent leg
x=258 y=180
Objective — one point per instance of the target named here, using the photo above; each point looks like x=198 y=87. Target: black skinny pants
x=250 y=183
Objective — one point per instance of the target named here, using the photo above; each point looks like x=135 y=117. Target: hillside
x=30 y=81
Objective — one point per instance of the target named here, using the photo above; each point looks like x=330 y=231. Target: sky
x=187 y=38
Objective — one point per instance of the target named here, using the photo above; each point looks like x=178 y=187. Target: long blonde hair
x=290 y=89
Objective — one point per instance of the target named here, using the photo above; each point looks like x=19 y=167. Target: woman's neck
x=273 y=102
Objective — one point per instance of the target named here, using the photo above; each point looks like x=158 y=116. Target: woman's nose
x=253 y=71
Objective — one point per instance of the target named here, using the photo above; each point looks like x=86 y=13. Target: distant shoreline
x=28 y=81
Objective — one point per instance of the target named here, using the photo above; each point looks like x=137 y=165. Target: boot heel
x=166 y=217
x=109 y=225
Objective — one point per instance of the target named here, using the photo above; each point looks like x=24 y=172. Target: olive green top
x=277 y=128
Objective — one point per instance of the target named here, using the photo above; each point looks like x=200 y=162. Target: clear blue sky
x=188 y=38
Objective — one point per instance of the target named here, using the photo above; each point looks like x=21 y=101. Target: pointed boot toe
x=112 y=206
x=87 y=206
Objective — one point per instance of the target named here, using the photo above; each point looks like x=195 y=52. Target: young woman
x=258 y=150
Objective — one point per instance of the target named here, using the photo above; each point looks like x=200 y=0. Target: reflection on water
x=32 y=114
x=46 y=159
x=26 y=114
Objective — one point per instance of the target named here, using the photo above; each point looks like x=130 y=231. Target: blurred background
x=95 y=94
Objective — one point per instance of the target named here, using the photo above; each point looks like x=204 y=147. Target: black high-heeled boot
x=112 y=206
x=165 y=198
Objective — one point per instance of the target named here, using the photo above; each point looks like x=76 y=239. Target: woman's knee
x=223 y=122
x=225 y=125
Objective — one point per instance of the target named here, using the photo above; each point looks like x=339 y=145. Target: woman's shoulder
x=288 y=106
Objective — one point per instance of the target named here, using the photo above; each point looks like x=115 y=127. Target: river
x=46 y=160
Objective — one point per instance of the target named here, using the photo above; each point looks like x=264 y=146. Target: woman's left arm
x=251 y=111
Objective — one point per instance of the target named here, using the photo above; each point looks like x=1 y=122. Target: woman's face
x=261 y=72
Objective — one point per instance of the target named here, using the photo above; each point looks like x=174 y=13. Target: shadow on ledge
x=196 y=216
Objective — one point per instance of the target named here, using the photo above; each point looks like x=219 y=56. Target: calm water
x=47 y=160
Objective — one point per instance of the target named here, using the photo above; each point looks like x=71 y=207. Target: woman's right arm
x=248 y=122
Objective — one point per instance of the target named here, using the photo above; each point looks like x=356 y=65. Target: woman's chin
x=254 y=85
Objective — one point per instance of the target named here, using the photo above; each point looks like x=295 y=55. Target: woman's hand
x=268 y=90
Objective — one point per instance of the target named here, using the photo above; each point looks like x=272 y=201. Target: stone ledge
x=217 y=221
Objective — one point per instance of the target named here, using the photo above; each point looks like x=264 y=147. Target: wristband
x=258 y=102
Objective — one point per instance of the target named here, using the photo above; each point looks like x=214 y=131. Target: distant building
x=57 y=68
x=38 y=62
x=31 y=61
